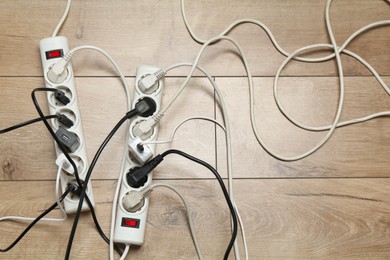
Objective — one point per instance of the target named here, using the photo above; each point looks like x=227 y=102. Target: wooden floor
x=335 y=204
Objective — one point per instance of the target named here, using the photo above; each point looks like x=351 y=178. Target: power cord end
x=63 y=162
x=63 y=119
x=58 y=72
x=134 y=198
x=142 y=153
x=144 y=128
x=147 y=82
x=61 y=97
x=145 y=107
x=138 y=175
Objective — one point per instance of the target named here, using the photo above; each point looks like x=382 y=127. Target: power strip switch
x=65 y=102
x=131 y=221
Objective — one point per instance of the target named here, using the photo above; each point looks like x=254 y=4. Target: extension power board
x=52 y=50
x=130 y=224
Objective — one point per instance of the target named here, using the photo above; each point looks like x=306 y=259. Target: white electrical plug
x=134 y=199
x=150 y=82
x=64 y=163
x=144 y=129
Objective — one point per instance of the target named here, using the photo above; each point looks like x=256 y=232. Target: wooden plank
x=154 y=33
x=355 y=151
x=331 y=205
x=28 y=153
x=294 y=219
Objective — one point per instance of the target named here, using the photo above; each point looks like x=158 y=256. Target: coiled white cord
x=336 y=54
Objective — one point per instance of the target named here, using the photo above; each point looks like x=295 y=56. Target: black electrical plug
x=75 y=189
x=136 y=176
x=145 y=107
x=130 y=180
x=63 y=119
x=61 y=97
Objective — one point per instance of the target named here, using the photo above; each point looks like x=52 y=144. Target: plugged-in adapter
x=141 y=152
x=68 y=139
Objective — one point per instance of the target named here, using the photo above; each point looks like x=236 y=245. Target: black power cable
x=139 y=174
x=32 y=121
x=47 y=211
x=99 y=229
x=224 y=190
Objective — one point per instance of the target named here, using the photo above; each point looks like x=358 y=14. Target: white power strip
x=130 y=224
x=53 y=49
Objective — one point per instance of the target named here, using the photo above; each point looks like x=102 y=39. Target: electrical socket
x=130 y=224
x=52 y=49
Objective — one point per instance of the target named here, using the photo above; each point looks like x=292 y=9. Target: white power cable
x=337 y=50
x=223 y=128
x=58 y=203
x=62 y=20
x=190 y=222
x=285 y=53
x=335 y=123
x=114 y=204
x=125 y=252
x=343 y=123
x=272 y=38
x=69 y=55
x=320 y=59
x=179 y=125
x=189 y=76
x=59 y=172
x=228 y=143
x=340 y=102
x=357 y=57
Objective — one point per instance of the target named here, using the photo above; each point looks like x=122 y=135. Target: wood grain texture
x=153 y=33
x=294 y=219
x=353 y=151
x=331 y=205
